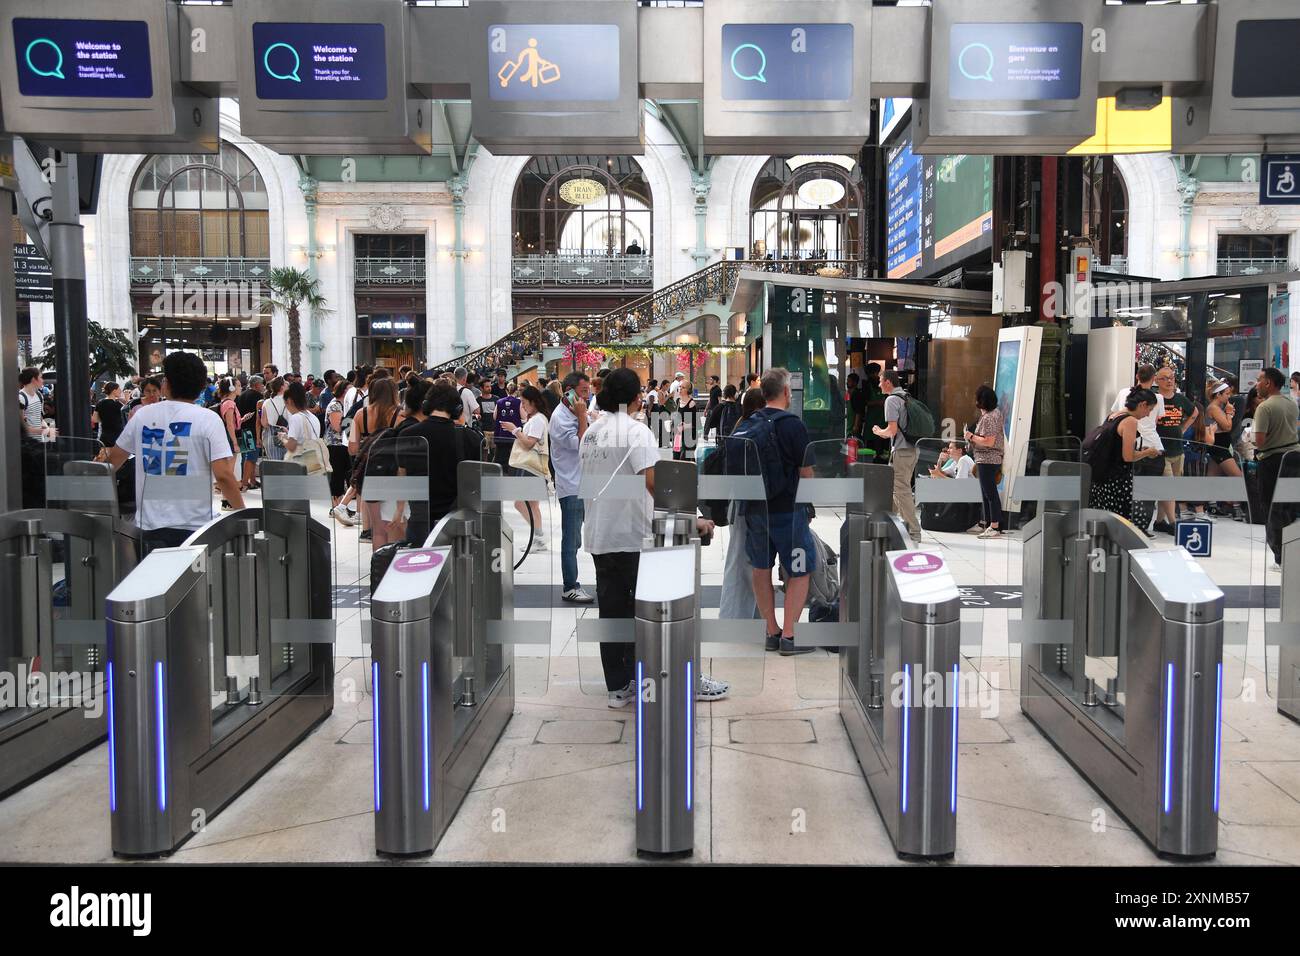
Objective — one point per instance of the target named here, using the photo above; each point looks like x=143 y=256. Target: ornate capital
x=387 y=217
x=1259 y=218
x=310 y=189
x=701 y=183
x=458 y=185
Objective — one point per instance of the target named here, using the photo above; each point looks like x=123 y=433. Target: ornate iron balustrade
x=576 y=269
x=714 y=283
x=146 y=270
x=372 y=271
x=1249 y=266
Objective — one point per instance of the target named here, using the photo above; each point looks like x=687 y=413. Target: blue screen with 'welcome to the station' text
x=83 y=58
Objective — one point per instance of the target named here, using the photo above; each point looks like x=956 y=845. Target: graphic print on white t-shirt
x=174 y=440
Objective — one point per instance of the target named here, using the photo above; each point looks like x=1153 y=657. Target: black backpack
x=760 y=429
x=1101 y=449
x=715 y=463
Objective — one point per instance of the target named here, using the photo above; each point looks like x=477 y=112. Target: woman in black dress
x=1113 y=490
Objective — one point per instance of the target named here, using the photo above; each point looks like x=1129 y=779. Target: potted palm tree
x=291 y=288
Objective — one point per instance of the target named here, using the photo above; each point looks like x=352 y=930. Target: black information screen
x=83 y=58
x=1264 y=62
x=320 y=61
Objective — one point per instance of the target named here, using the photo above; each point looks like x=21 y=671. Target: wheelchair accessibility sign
x=1196 y=537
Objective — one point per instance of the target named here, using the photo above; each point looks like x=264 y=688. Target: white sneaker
x=538 y=545
x=990 y=533
x=578 y=596
x=711 y=689
x=623 y=697
x=342 y=516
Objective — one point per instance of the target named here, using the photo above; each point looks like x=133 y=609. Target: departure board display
x=320 y=61
x=83 y=58
x=939 y=209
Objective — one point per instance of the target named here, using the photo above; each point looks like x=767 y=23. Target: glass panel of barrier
x=519 y=631
x=90 y=548
x=733 y=495
x=1218 y=518
x=952 y=513
x=822 y=498
x=1280 y=484
x=730 y=494
x=1046 y=495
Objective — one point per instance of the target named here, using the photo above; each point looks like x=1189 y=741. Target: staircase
x=642 y=321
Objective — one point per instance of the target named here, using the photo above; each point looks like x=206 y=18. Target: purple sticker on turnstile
x=413 y=562
x=918 y=562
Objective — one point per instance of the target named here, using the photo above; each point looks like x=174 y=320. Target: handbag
x=313 y=454
x=532 y=460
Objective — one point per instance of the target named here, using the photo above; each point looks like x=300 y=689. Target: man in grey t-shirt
x=902 y=454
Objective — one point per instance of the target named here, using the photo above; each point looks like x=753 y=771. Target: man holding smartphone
x=568 y=425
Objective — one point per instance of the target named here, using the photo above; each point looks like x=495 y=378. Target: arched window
x=200 y=207
x=1105 y=208
x=582 y=205
x=807 y=207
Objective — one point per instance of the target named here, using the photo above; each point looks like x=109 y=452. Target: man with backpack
x=780 y=443
x=903 y=433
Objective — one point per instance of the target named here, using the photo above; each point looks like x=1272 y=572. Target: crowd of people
x=581 y=432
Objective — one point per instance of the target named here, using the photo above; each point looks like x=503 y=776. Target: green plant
x=112 y=353
x=291 y=288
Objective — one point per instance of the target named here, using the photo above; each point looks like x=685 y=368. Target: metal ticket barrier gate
x=900 y=668
x=57 y=566
x=443 y=634
x=672 y=647
x=220 y=660
x=1122 y=664
x=667 y=667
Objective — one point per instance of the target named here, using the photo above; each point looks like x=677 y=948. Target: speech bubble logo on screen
x=978 y=66
x=56 y=70
x=760 y=61
x=293 y=73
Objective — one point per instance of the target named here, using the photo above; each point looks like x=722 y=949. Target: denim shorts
x=777 y=535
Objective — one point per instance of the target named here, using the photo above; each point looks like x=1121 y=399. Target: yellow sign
x=1129 y=131
x=580 y=192
x=529 y=68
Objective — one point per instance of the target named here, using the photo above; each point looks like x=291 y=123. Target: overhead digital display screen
x=1263 y=64
x=939 y=209
x=550 y=62
x=320 y=61
x=83 y=58
x=787 y=61
x=1015 y=61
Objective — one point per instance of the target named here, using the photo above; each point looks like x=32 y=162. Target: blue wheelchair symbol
x=1196 y=537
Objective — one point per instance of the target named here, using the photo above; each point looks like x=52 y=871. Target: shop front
x=390 y=340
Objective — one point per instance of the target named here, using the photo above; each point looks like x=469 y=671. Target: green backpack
x=920 y=420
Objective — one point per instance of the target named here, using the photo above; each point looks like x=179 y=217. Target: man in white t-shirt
x=616 y=527
x=1148 y=437
x=175 y=438
x=468 y=402
x=674 y=390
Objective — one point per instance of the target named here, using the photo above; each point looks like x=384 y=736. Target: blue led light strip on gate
x=690 y=727
x=161 y=735
x=956 y=701
x=374 y=724
x=112 y=747
x=1169 y=735
x=907 y=696
x=639 y=751
x=1218 y=732
x=425 y=714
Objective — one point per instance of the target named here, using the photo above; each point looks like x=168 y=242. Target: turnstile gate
x=900 y=674
x=53 y=648
x=185 y=737
x=1122 y=666
x=442 y=668
x=1288 y=655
